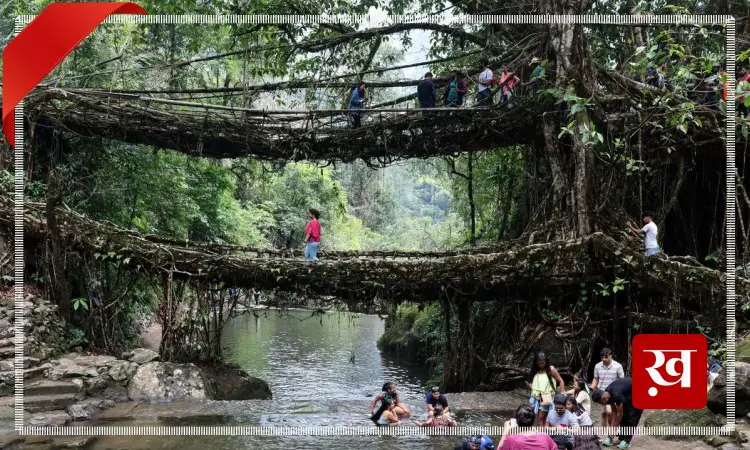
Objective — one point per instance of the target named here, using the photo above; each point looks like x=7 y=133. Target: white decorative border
x=729 y=23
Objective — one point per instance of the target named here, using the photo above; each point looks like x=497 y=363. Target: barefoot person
x=545 y=383
x=619 y=395
x=388 y=395
x=312 y=235
x=606 y=372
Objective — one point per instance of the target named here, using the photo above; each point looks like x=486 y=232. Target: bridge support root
x=460 y=362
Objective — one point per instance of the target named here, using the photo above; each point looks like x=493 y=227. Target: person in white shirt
x=605 y=372
x=651 y=232
x=484 y=80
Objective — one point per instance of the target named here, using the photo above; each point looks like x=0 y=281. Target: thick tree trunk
x=56 y=247
x=472 y=206
x=459 y=365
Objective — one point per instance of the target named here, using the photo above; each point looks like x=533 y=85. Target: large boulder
x=231 y=383
x=156 y=382
x=717 y=396
x=141 y=355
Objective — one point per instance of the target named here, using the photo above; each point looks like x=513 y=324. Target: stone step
x=7 y=351
x=9 y=364
x=9 y=376
x=51 y=402
x=44 y=386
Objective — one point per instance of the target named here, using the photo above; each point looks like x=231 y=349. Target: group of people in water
x=550 y=405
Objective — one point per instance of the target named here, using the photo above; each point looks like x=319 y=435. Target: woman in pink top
x=508 y=80
x=312 y=235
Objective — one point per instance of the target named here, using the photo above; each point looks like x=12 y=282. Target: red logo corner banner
x=670 y=371
x=44 y=43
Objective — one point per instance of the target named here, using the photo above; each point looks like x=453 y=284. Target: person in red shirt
x=312 y=235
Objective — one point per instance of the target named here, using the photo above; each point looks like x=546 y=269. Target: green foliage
x=80 y=302
x=76 y=337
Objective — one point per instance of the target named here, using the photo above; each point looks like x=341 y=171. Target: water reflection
x=306 y=361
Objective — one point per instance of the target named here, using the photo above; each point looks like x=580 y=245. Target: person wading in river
x=388 y=395
x=389 y=416
x=545 y=383
x=434 y=399
x=528 y=440
x=312 y=235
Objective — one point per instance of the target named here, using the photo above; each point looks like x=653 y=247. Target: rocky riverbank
x=61 y=387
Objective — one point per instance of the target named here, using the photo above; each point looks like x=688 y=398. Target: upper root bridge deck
x=482 y=272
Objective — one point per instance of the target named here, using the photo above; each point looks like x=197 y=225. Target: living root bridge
x=482 y=276
x=312 y=135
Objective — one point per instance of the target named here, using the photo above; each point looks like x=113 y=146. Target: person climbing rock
x=312 y=235
x=619 y=395
x=356 y=103
x=455 y=90
x=389 y=394
x=435 y=398
x=651 y=232
x=426 y=92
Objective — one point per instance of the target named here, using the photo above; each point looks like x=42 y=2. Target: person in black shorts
x=436 y=398
x=619 y=394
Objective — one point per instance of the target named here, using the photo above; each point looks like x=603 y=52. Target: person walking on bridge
x=356 y=102
x=312 y=235
x=455 y=91
x=426 y=92
x=508 y=81
x=484 y=82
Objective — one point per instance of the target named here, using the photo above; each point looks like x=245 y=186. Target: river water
x=306 y=361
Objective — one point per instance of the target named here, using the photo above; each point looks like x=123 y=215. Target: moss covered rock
x=682 y=418
x=743 y=349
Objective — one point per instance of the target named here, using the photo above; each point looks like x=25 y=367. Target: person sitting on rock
x=562 y=418
x=434 y=398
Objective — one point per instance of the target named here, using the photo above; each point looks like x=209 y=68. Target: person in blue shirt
x=356 y=103
x=537 y=74
x=434 y=398
x=477 y=442
x=426 y=92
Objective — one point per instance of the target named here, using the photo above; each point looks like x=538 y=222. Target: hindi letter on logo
x=670 y=371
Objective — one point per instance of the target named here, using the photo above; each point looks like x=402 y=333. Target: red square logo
x=670 y=371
